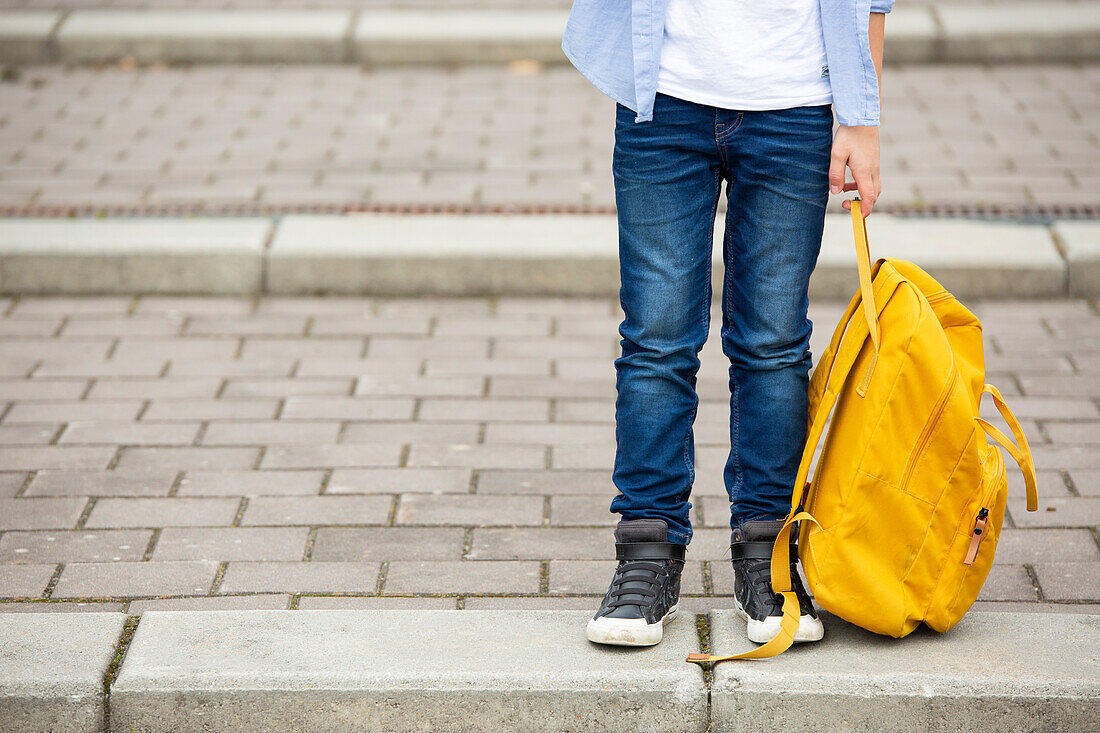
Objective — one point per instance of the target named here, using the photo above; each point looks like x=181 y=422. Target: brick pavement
x=199 y=453
x=1004 y=138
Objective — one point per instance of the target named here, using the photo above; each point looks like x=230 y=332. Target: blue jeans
x=668 y=175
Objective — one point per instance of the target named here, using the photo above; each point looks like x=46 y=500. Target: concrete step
x=452 y=254
x=402 y=671
x=449 y=670
x=1020 y=31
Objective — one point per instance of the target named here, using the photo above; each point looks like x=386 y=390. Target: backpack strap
x=1020 y=450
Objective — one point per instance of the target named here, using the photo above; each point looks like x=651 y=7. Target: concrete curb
x=450 y=254
x=1023 y=31
x=994 y=671
x=476 y=670
x=52 y=670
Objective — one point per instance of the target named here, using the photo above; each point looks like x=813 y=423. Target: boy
x=705 y=91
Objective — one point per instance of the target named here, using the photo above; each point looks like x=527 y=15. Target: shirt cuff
x=881 y=6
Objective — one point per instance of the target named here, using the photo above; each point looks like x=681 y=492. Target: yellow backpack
x=901 y=520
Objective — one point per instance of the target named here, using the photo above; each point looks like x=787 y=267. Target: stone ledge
x=52 y=669
x=73 y=256
x=453 y=254
x=992 y=672
x=221 y=36
x=402 y=670
x=1024 y=31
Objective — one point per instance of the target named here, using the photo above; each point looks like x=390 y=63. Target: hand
x=857 y=148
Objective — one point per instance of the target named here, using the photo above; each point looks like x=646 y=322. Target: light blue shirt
x=616 y=44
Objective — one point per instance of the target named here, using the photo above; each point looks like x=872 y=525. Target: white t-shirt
x=766 y=54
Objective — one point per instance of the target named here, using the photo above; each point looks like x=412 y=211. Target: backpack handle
x=870 y=309
x=1020 y=450
x=863 y=264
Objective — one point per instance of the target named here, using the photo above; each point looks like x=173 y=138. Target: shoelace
x=760 y=573
x=646 y=571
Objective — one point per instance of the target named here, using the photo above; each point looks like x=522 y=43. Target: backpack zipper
x=929 y=425
x=978 y=529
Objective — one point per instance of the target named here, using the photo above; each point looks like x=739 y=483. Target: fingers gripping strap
x=1020 y=450
x=649 y=551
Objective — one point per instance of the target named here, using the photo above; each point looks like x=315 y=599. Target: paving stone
x=73 y=546
x=1057 y=512
x=30 y=458
x=25 y=581
x=220 y=409
x=300 y=577
x=255 y=602
x=959 y=672
x=465 y=576
x=1045 y=545
x=11 y=482
x=231 y=544
x=550 y=433
x=361 y=455
x=1008 y=583
x=347 y=408
x=1086 y=481
x=262 y=433
x=40 y=513
x=507 y=409
x=121 y=579
x=583 y=456
x=316 y=510
x=162 y=512
x=25 y=390
x=541 y=544
x=469 y=509
x=477 y=455
x=162 y=388
x=583 y=509
x=119 y=482
x=398 y=480
x=130 y=433
x=51 y=673
x=131 y=255
x=1069 y=581
x=334 y=679
x=298 y=387
x=544 y=481
x=420 y=386
x=188 y=459
x=28 y=434
x=250 y=483
x=387 y=543
x=373 y=603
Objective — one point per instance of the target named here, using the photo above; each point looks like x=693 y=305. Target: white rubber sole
x=628 y=631
x=761 y=632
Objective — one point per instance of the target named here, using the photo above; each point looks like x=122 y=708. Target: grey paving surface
x=1042 y=667
x=1000 y=138
x=433 y=669
x=209 y=453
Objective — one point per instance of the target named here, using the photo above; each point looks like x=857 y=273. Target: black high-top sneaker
x=751 y=553
x=645 y=590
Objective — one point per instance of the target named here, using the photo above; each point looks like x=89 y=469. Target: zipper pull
x=976 y=536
